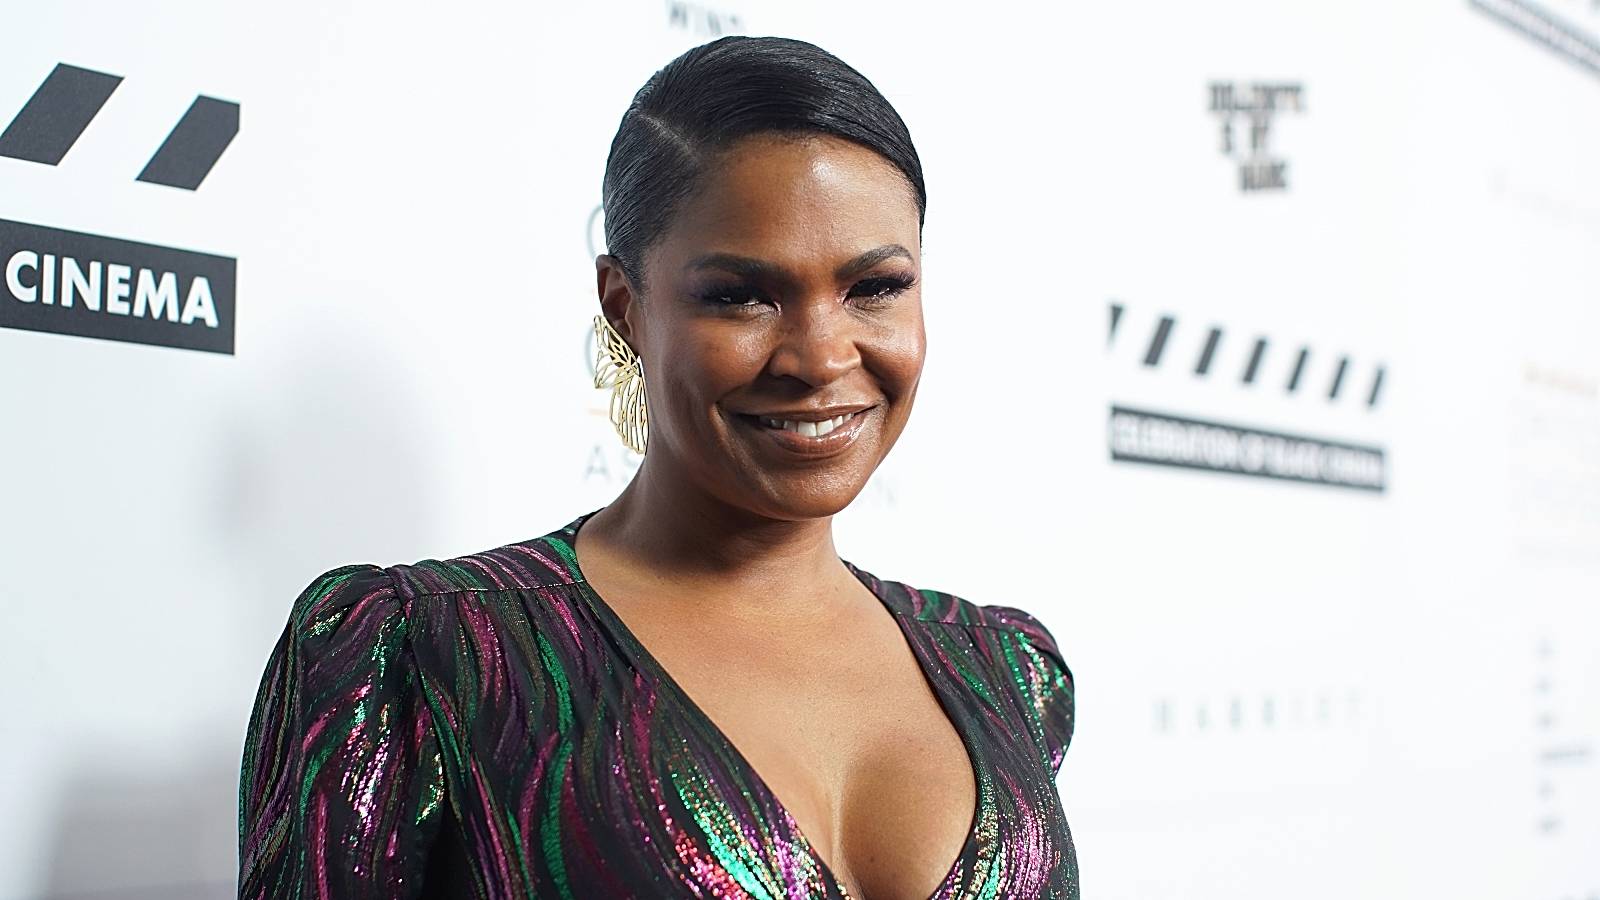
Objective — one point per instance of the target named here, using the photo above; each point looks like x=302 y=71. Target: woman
x=688 y=692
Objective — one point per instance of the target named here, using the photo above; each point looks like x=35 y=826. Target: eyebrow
x=760 y=269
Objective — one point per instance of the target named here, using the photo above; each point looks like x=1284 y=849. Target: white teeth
x=809 y=429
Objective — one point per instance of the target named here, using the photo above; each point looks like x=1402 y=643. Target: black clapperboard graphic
x=1145 y=436
x=89 y=285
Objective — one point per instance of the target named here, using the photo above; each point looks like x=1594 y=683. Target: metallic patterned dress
x=487 y=727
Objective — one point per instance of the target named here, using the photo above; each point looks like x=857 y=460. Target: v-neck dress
x=487 y=727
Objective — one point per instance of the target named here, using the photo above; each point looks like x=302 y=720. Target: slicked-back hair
x=706 y=100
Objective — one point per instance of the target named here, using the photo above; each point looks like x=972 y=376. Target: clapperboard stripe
x=1204 y=365
x=1306 y=359
x=1255 y=361
x=1338 y=378
x=59 y=111
x=1158 y=342
x=195 y=144
x=1299 y=368
x=57 y=114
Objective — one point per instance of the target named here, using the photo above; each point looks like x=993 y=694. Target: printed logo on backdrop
x=88 y=285
x=1576 y=43
x=1564 y=752
x=1552 y=438
x=1189 y=441
x=700 y=19
x=1247 y=112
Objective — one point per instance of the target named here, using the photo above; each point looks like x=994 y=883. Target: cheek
x=699 y=369
x=901 y=353
x=895 y=363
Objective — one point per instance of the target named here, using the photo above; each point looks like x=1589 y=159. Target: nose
x=817 y=342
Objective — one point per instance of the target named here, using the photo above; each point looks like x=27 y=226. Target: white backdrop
x=1286 y=688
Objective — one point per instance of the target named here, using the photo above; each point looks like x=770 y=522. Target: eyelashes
x=727 y=295
x=874 y=291
x=886 y=287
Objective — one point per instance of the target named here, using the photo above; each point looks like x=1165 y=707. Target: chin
x=817 y=495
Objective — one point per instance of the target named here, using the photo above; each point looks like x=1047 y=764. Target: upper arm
x=1048 y=679
x=340 y=782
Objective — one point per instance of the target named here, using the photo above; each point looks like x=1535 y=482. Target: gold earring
x=616 y=366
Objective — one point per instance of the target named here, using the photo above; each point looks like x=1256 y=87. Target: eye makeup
x=878 y=289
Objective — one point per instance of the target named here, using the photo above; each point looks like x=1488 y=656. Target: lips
x=808 y=437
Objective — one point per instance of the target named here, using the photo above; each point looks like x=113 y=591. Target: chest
x=850 y=738
x=874 y=768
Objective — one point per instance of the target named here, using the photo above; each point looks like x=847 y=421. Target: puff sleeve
x=1047 y=679
x=340 y=786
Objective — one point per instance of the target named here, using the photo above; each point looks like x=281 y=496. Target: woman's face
x=788 y=288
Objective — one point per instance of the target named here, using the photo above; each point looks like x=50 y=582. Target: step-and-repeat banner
x=1262 y=360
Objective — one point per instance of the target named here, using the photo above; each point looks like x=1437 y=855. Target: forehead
x=792 y=196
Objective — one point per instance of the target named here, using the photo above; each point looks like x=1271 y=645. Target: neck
x=676 y=535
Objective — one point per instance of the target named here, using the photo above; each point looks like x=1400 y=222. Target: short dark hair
x=713 y=95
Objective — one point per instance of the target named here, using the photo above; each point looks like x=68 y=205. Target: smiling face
x=787 y=288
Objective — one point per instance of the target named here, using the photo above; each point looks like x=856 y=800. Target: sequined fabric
x=486 y=727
